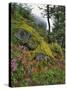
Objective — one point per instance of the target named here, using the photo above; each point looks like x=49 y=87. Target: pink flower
x=13 y=65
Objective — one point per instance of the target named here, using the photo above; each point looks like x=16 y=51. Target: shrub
x=56 y=48
x=32 y=44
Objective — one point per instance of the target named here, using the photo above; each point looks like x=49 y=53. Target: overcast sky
x=37 y=12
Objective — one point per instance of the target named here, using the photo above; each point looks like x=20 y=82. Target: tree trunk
x=48 y=17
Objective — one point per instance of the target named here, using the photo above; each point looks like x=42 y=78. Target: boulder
x=40 y=57
x=23 y=36
x=26 y=39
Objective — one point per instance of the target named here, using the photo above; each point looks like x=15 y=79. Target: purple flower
x=13 y=65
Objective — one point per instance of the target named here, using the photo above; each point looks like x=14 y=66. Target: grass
x=52 y=76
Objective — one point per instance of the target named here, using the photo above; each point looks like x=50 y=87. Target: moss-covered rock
x=26 y=38
x=23 y=36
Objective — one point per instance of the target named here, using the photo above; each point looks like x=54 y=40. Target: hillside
x=34 y=61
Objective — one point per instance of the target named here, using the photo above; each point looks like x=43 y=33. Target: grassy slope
x=43 y=45
x=47 y=70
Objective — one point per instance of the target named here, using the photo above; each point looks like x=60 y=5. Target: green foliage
x=46 y=48
x=32 y=44
x=43 y=48
x=51 y=37
x=17 y=76
x=52 y=76
x=20 y=9
x=56 y=48
x=59 y=25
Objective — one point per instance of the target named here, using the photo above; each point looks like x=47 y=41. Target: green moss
x=45 y=47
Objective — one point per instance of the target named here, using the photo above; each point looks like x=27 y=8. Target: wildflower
x=13 y=65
